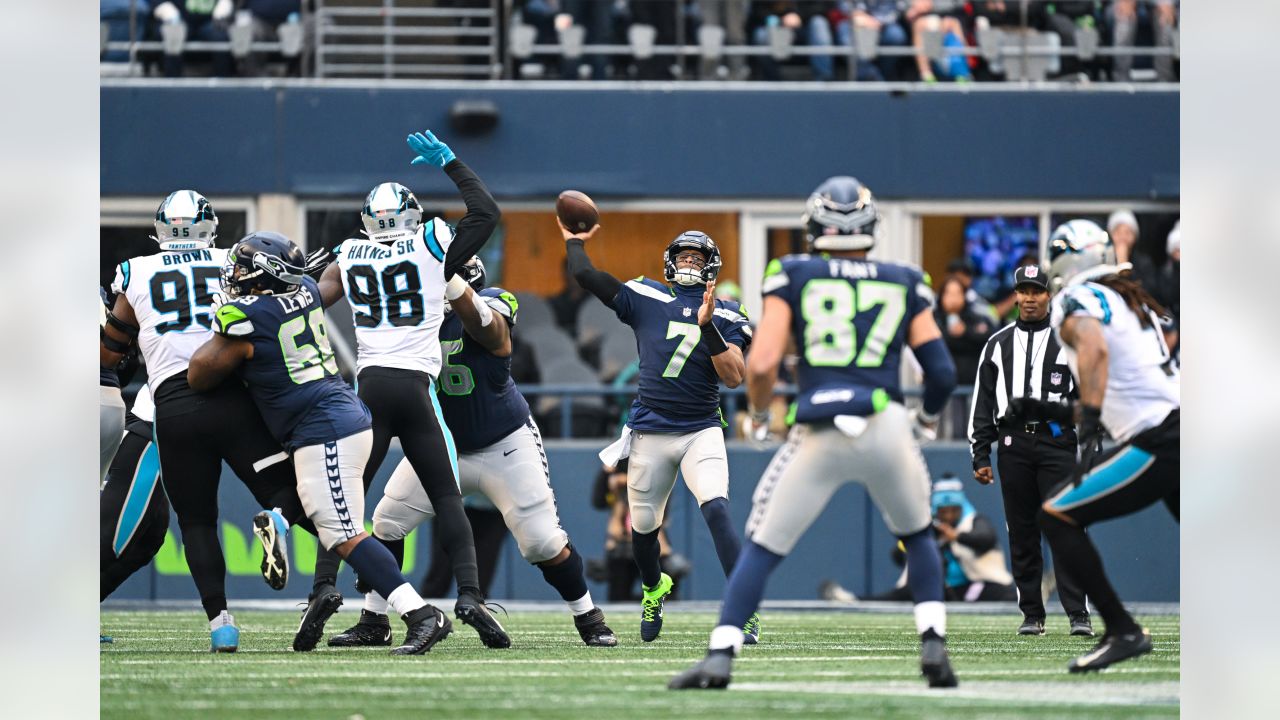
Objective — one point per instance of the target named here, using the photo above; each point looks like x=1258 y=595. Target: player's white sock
x=727 y=637
x=405 y=599
x=581 y=605
x=931 y=614
x=374 y=603
x=224 y=618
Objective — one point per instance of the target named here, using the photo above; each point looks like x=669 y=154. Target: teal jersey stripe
x=145 y=477
x=124 y=270
x=448 y=436
x=1112 y=475
x=1106 y=307
x=433 y=245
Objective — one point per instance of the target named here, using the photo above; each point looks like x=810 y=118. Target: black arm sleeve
x=981 y=538
x=475 y=228
x=982 y=421
x=597 y=282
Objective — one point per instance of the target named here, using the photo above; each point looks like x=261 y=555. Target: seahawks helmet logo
x=274 y=267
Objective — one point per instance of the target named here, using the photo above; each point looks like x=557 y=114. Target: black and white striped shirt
x=1022 y=359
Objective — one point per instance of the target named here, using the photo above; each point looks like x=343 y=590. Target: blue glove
x=429 y=150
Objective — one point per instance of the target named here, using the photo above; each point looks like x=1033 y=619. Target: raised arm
x=475 y=228
x=330 y=285
x=479 y=321
x=597 y=282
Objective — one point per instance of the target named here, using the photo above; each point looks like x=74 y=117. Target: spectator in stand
x=1167 y=277
x=964 y=330
x=808 y=23
x=206 y=21
x=882 y=15
x=940 y=16
x=962 y=269
x=732 y=16
x=115 y=13
x=267 y=16
x=596 y=18
x=1062 y=18
x=1125 y=16
x=1122 y=226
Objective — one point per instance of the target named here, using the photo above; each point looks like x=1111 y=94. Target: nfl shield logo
x=1033 y=271
x=1008 y=441
x=1055 y=378
x=687 y=312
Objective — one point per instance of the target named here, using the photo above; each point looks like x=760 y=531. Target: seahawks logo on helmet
x=390 y=212
x=1079 y=249
x=185 y=220
x=841 y=215
x=692 y=240
x=263 y=263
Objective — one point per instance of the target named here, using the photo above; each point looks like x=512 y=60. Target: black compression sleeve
x=475 y=228
x=597 y=282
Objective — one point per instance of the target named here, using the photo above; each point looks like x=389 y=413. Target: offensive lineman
x=395 y=282
x=501 y=456
x=163 y=303
x=849 y=318
x=689 y=341
x=1110 y=328
x=272 y=332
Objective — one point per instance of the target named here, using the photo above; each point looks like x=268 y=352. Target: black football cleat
x=323 y=603
x=1113 y=649
x=594 y=632
x=1081 y=626
x=934 y=663
x=712 y=672
x=373 y=630
x=1031 y=626
x=427 y=626
x=471 y=611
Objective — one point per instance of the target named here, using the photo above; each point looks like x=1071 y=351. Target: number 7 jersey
x=170 y=293
x=396 y=291
x=849 y=318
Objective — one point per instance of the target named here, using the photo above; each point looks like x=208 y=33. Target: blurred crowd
x=906 y=30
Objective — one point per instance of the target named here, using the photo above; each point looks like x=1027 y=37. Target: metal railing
x=732 y=398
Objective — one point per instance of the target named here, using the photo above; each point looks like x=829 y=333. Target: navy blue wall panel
x=647 y=142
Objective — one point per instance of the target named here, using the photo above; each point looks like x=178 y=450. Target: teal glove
x=429 y=150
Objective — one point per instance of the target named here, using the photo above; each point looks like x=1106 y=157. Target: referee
x=1024 y=359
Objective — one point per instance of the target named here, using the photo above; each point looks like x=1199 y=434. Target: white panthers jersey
x=1142 y=385
x=171 y=293
x=396 y=291
x=144 y=407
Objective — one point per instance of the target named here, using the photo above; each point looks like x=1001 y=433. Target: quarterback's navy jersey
x=293 y=375
x=679 y=387
x=480 y=401
x=849 y=319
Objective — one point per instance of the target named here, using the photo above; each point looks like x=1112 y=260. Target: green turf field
x=809 y=665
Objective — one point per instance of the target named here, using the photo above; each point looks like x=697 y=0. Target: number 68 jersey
x=849 y=318
x=293 y=375
x=396 y=291
x=170 y=293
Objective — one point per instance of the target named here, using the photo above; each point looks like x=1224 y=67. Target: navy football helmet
x=263 y=263
x=390 y=212
x=473 y=272
x=692 y=240
x=185 y=221
x=841 y=215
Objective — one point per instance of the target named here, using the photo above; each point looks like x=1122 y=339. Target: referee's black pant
x=1031 y=464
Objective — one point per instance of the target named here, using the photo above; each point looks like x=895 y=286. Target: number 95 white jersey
x=170 y=293
x=396 y=291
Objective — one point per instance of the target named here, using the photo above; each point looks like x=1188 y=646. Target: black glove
x=317 y=261
x=1027 y=410
x=1091 y=433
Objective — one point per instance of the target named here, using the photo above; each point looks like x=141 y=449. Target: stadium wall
x=849 y=543
x=644 y=141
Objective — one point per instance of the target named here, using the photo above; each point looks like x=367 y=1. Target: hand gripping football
x=576 y=211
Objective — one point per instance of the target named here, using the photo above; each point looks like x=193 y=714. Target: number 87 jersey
x=396 y=291
x=849 y=318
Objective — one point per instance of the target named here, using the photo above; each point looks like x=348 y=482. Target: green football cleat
x=751 y=631
x=651 y=608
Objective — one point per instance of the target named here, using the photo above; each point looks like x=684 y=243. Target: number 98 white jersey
x=170 y=293
x=396 y=291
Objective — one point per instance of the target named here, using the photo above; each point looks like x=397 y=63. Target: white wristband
x=482 y=307
x=455 y=288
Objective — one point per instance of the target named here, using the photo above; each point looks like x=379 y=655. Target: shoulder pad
x=502 y=302
x=121 y=281
x=775 y=275
x=231 y=320
x=650 y=289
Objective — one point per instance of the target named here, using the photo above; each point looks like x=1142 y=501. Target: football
x=577 y=211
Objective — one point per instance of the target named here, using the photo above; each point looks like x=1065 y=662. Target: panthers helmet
x=1079 y=246
x=390 y=212
x=841 y=215
x=185 y=221
x=263 y=263
x=692 y=240
x=473 y=272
